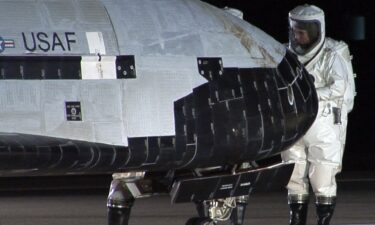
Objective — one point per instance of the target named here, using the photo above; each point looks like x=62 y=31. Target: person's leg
x=325 y=155
x=298 y=186
x=323 y=182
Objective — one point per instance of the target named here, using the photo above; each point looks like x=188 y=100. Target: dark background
x=272 y=17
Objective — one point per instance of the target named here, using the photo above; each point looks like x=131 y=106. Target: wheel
x=200 y=221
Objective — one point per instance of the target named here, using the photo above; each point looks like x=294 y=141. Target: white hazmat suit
x=318 y=155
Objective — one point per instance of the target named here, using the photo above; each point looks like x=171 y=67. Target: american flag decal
x=9 y=43
x=6 y=43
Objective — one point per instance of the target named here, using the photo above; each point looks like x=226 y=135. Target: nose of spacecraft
x=245 y=114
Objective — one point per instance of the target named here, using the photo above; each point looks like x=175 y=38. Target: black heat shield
x=221 y=186
x=240 y=114
x=244 y=114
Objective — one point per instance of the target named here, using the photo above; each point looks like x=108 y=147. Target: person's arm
x=336 y=78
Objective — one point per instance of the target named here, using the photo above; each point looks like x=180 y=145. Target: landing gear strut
x=125 y=188
x=119 y=203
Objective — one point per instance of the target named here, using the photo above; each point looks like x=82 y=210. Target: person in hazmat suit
x=318 y=154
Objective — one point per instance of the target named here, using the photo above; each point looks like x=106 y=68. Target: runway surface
x=356 y=205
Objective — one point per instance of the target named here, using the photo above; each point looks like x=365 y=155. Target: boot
x=238 y=214
x=298 y=205
x=325 y=207
x=298 y=213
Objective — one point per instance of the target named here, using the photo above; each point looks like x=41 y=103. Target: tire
x=200 y=221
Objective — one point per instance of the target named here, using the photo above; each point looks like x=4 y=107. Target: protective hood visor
x=304 y=35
